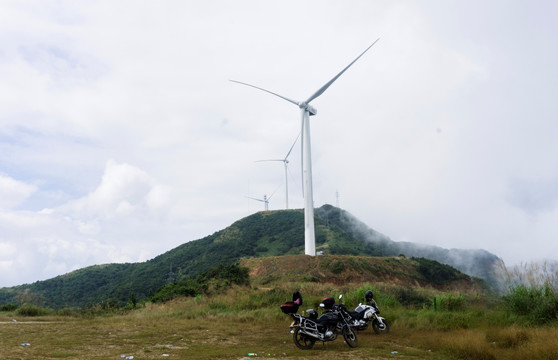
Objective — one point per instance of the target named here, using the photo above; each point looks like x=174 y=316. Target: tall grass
x=530 y=274
x=247 y=319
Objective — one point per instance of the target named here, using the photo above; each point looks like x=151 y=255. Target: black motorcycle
x=307 y=330
x=369 y=312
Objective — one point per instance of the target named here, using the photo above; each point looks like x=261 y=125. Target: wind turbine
x=308 y=110
x=265 y=200
x=285 y=162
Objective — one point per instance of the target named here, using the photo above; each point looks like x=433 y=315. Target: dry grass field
x=457 y=321
x=207 y=328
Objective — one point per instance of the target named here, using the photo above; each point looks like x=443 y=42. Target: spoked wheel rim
x=350 y=337
x=303 y=341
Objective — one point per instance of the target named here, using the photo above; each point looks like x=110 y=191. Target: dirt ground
x=182 y=338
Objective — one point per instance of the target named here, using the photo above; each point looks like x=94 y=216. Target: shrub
x=450 y=302
x=8 y=307
x=215 y=280
x=538 y=304
x=410 y=297
x=183 y=288
x=338 y=267
x=31 y=310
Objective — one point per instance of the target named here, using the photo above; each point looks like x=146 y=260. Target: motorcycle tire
x=350 y=337
x=379 y=330
x=303 y=341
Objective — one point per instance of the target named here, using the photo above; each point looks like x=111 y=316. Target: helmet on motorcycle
x=368 y=295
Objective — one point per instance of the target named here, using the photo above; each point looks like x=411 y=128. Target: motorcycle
x=307 y=330
x=369 y=312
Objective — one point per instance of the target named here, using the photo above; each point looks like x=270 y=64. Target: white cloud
x=124 y=191
x=13 y=192
x=116 y=222
x=443 y=133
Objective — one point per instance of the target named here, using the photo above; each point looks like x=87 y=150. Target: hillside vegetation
x=264 y=234
x=347 y=269
x=235 y=314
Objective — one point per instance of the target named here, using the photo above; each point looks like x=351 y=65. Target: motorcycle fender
x=368 y=314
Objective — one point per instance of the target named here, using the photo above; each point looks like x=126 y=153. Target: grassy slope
x=347 y=269
x=248 y=320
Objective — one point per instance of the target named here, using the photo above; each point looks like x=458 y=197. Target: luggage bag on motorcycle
x=327 y=303
x=291 y=307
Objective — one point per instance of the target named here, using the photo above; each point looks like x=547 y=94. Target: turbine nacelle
x=305 y=106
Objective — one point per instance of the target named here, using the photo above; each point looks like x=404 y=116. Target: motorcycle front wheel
x=303 y=341
x=350 y=337
x=378 y=329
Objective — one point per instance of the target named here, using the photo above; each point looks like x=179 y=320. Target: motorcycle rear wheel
x=379 y=330
x=350 y=337
x=303 y=341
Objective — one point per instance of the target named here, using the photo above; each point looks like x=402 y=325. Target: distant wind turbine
x=285 y=162
x=265 y=200
x=306 y=111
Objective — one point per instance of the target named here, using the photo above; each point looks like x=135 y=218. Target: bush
x=538 y=304
x=338 y=267
x=215 y=280
x=450 y=302
x=183 y=288
x=31 y=310
x=410 y=297
x=8 y=307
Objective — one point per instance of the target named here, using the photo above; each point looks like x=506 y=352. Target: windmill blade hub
x=305 y=106
x=311 y=110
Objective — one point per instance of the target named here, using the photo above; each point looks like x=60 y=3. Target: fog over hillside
x=474 y=262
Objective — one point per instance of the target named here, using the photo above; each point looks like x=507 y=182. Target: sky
x=121 y=136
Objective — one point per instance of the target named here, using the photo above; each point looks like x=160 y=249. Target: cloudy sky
x=122 y=138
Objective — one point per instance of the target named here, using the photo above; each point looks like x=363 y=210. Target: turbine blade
x=291 y=149
x=267 y=91
x=328 y=84
x=269 y=160
x=249 y=197
x=273 y=193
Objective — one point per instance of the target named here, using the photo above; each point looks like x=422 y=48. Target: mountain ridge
x=262 y=234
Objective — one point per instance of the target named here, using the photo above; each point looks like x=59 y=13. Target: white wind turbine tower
x=306 y=111
x=285 y=161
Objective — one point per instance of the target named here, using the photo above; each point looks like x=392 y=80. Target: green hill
x=263 y=234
